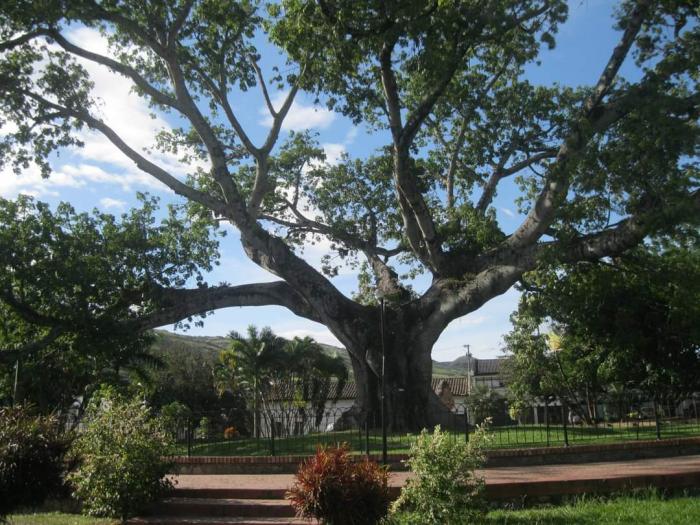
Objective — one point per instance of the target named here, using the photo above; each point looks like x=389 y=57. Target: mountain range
x=212 y=345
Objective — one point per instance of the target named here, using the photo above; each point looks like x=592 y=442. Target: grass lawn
x=649 y=509
x=520 y=436
x=626 y=510
x=58 y=518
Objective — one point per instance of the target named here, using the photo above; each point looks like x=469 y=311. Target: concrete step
x=223 y=508
x=230 y=493
x=171 y=520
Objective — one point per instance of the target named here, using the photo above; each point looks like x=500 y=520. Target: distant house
x=486 y=372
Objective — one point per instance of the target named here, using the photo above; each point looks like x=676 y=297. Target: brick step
x=223 y=508
x=170 y=520
x=230 y=493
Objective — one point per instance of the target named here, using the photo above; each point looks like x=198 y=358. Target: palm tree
x=249 y=365
x=312 y=374
x=260 y=363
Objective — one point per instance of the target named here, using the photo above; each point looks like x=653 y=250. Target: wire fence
x=299 y=430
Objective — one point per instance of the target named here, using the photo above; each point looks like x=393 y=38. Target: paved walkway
x=506 y=479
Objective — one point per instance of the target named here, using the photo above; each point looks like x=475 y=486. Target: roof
x=458 y=387
x=487 y=366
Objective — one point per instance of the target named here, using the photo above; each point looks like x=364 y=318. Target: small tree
x=482 y=403
x=121 y=467
x=445 y=488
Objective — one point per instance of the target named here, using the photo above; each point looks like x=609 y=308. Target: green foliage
x=32 y=450
x=445 y=489
x=175 y=416
x=262 y=365
x=337 y=490
x=204 y=431
x=121 y=451
x=627 y=324
x=71 y=284
x=483 y=402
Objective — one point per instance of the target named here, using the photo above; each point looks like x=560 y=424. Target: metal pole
x=383 y=385
x=14 y=390
x=565 y=417
x=367 y=433
x=469 y=366
x=466 y=423
x=656 y=420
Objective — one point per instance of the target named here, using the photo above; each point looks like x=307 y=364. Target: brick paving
x=259 y=499
x=674 y=466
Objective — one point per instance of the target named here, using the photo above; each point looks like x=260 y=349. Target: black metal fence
x=299 y=430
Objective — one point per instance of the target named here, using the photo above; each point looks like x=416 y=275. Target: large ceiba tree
x=599 y=167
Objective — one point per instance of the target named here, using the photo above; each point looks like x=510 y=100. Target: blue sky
x=99 y=176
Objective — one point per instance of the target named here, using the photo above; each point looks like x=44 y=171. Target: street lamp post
x=383 y=382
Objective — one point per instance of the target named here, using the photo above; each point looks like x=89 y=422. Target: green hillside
x=210 y=347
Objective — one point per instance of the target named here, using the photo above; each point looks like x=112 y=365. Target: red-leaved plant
x=336 y=490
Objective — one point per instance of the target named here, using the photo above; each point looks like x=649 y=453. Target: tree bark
x=410 y=402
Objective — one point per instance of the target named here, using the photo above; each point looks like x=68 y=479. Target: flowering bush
x=32 y=450
x=445 y=488
x=336 y=490
x=230 y=433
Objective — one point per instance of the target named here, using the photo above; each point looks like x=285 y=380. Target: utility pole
x=469 y=369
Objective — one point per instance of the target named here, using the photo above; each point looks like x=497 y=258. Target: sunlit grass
x=516 y=436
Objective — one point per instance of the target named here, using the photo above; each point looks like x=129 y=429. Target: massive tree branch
x=141 y=162
x=158 y=96
x=543 y=212
x=177 y=304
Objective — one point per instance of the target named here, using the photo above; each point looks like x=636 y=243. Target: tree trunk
x=410 y=402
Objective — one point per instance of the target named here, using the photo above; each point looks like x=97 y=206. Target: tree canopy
x=629 y=324
x=599 y=167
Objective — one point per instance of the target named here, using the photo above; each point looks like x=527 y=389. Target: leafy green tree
x=628 y=323
x=483 y=402
x=599 y=167
x=71 y=289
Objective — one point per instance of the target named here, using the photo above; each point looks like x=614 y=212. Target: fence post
x=272 y=436
x=564 y=418
x=466 y=424
x=656 y=420
x=546 y=417
x=367 y=432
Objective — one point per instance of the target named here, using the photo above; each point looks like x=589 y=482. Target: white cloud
x=507 y=211
x=129 y=116
x=351 y=135
x=300 y=117
x=322 y=336
x=30 y=182
x=334 y=152
x=109 y=203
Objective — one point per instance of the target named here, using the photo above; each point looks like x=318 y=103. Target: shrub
x=175 y=417
x=204 y=430
x=230 y=433
x=334 y=489
x=32 y=451
x=445 y=488
x=121 y=469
